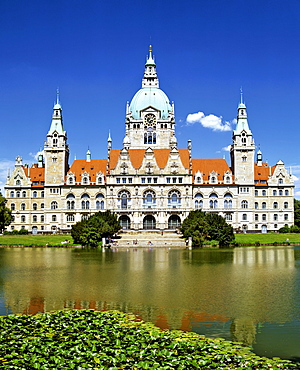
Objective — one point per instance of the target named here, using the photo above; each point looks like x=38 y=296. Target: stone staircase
x=149 y=239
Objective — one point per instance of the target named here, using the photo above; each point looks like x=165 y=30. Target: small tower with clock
x=150 y=120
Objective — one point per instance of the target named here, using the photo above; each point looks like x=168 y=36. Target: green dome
x=150 y=96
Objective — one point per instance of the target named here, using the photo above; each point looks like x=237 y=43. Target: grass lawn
x=28 y=240
x=267 y=238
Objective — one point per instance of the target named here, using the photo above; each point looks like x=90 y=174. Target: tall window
x=23 y=206
x=198 y=201
x=213 y=201
x=85 y=201
x=12 y=206
x=174 y=198
x=34 y=206
x=54 y=205
x=285 y=205
x=100 y=201
x=275 y=205
x=228 y=201
x=124 y=199
x=149 y=198
x=244 y=204
x=264 y=205
x=286 y=193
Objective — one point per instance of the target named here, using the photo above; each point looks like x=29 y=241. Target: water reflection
x=236 y=294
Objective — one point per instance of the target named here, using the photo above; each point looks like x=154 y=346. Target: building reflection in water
x=195 y=290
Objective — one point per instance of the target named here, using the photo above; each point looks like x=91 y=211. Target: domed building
x=149 y=183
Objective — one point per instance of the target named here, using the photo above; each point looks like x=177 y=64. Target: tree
x=5 y=214
x=297 y=212
x=202 y=226
x=90 y=232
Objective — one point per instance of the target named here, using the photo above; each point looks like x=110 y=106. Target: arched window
x=213 y=201
x=280 y=193
x=54 y=205
x=285 y=205
x=228 y=201
x=70 y=201
x=18 y=194
x=275 y=205
x=274 y=193
x=42 y=194
x=256 y=205
x=280 y=181
x=85 y=203
x=23 y=194
x=100 y=201
x=99 y=180
x=42 y=205
x=53 y=218
x=264 y=217
x=264 y=193
x=286 y=192
x=227 y=180
x=174 y=198
x=34 y=206
x=124 y=199
x=23 y=207
x=256 y=193
x=34 y=194
x=70 y=218
x=12 y=206
x=34 y=218
x=264 y=205
x=198 y=201
x=149 y=198
x=18 y=182
x=70 y=181
x=275 y=217
x=23 y=218
x=244 y=204
x=244 y=217
x=85 y=180
x=12 y=194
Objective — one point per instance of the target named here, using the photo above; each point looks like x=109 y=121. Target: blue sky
x=94 y=51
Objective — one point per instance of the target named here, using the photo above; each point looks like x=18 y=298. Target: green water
x=246 y=294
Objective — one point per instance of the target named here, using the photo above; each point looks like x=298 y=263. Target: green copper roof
x=150 y=96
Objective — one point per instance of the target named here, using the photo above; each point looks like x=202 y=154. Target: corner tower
x=56 y=150
x=242 y=149
x=150 y=118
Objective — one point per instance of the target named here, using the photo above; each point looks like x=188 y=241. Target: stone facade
x=150 y=183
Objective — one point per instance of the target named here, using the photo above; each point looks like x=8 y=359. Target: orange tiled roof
x=206 y=166
x=137 y=156
x=79 y=166
x=262 y=173
x=35 y=174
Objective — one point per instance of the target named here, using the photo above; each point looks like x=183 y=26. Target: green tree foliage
x=297 y=212
x=90 y=232
x=202 y=227
x=5 y=214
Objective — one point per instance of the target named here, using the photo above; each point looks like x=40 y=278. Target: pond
x=250 y=295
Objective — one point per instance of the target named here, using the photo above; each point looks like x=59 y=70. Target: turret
x=56 y=150
x=242 y=148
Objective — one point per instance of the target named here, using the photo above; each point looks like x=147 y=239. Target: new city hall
x=149 y=183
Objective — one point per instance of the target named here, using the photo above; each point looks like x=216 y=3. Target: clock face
x=150 y=120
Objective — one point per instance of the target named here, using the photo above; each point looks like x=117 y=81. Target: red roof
x=79 y=166
x=206 y=166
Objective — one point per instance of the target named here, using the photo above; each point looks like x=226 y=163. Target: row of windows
x=275 y=217
x=275 y=205
x=23 y=206
x=23 y=194
x=85 y=180
x=274 y=193
x=213 y=180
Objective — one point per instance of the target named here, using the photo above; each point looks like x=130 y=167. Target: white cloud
x=226 y=148
x=210 y=121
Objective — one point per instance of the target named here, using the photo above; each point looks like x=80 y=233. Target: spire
x=57 y=124
x=150 y=76
x=109 y=143
x=242 y=121
x=88 y=155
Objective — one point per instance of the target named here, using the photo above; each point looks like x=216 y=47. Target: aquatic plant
x=87 y=339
